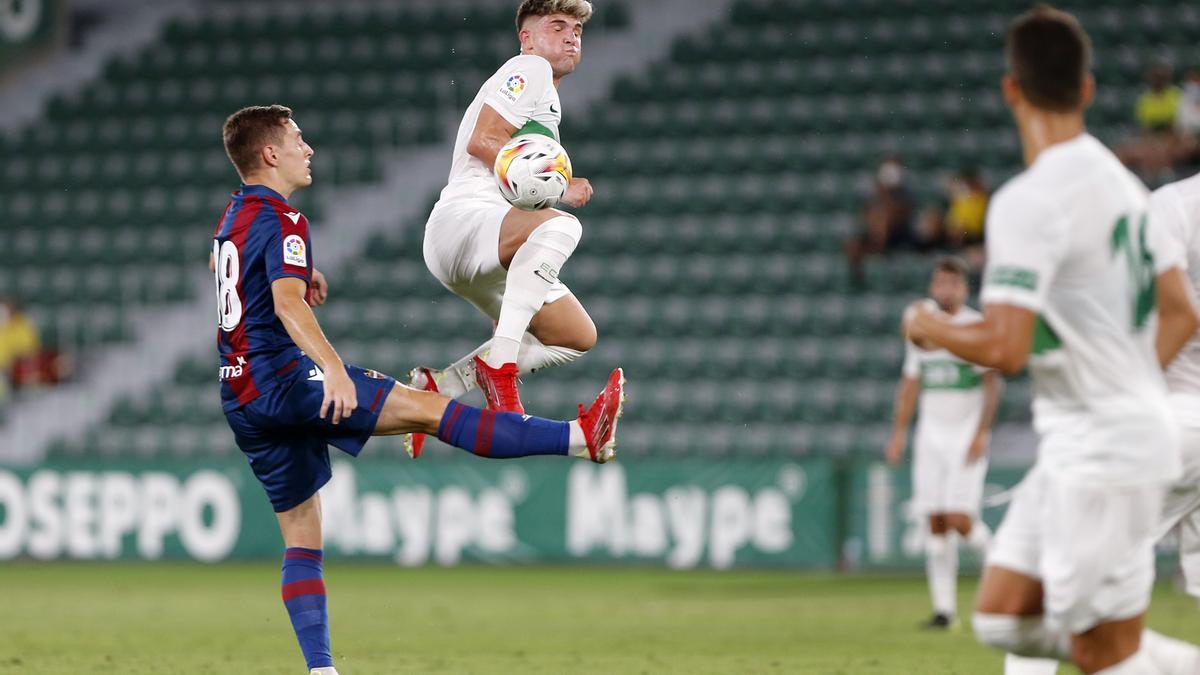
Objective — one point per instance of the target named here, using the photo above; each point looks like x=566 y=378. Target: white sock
x=1023 y=635
x=1024 y=665
x=458 y=379
x=941 y=568
x=577 y=445
x=1171 y=656
x=978 y=539
x=534 y=269
x=1138 y=664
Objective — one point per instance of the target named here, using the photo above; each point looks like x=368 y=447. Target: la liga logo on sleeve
x=513 y=87
x=293 y=251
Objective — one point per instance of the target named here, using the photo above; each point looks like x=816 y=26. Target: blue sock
x=304 y=597
x=502 y=435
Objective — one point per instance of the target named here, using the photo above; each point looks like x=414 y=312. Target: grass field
x=182 y=618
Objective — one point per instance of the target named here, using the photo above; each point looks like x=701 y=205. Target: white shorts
x=1092 y=546
x=462 y=250
x=943 y=481
x=1181 y=508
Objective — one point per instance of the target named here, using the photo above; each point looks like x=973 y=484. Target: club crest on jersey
x=513 y=87
x=293 y=251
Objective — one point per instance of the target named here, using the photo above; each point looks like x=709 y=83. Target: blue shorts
x=286 y=440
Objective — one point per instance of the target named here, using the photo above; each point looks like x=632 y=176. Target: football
x=533 y=172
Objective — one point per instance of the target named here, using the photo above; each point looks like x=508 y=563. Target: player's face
x=948 y=290
x=294 y=156
x=558 y=38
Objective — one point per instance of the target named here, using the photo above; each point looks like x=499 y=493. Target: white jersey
x=1066 y=239
x=1175 y=225
x=952 y=393
x=523 y=93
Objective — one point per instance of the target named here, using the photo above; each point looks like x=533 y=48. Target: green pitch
x=83 y=619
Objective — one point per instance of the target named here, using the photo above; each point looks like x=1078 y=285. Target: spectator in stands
x=956 y=223
x=887 y=218
x=18 y=342
x=1187 y=119
x=1156 y=149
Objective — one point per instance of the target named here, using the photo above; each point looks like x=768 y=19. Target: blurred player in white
x=1071 y=287
x=501 y=259
x=1175 y=226
x=958 y=402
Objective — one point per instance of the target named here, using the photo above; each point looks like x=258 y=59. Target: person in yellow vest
x=1157 y=147
x=18 y=336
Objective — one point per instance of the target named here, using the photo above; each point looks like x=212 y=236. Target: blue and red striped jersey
x=260 y=238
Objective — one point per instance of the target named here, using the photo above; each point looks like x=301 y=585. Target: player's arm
x=1177 y=318
x=902 y=413
x=490 y=134
x=993 y=385
x=1000 y=341
x=301 y=324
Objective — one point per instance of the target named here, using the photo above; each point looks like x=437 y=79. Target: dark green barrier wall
x=679 y=513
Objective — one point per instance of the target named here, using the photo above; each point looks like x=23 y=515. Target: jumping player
x=501 y=259
x=958 y=402
x=288 y=396
x=1071 y=287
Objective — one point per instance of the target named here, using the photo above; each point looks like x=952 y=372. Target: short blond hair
x=580 y=9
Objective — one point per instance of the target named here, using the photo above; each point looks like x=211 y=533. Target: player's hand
x=915 y=320
x=979 y=447
x=341 y=398
x=895 y=449
x=578 y=193
x=320 y=289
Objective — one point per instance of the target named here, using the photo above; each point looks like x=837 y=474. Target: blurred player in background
x=288 y=396
x=1071 y=287
x=501 y=259
x=958 y=402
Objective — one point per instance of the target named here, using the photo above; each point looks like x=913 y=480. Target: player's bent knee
x=560 y=233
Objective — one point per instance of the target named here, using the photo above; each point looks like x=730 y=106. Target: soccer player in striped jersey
x=286 y=393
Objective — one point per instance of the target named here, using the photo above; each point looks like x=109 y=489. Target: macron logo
x=294 y=217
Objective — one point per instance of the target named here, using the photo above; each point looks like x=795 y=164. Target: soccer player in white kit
x=1070 y=288
x=501 y=259
x=1175 y=223
x=958 y=402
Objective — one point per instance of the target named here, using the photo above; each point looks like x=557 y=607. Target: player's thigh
x=964 y=487
x=1009 y=592
x=1012 y=580
x=929 y=477
x=407 y=410
x=563 y=322
x=516 y=228
x=461 y=243
x=291 y=465
x=1098 y=551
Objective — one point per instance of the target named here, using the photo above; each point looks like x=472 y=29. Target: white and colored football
x=533 y=172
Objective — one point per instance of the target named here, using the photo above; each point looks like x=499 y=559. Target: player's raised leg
x=303 y=583
x=502 y=435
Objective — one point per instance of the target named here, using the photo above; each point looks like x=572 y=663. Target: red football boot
x=499 y=386
x=599 y=422
x=419 y=378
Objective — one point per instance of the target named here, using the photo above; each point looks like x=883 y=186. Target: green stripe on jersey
x=1013 y=276
x=946 y=374
x=1044 y=338
x=535 y=127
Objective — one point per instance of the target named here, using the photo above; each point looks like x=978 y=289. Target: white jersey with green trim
x=522 y=91
x=1066 y=238
x=1175 y=230
x=952 y=393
